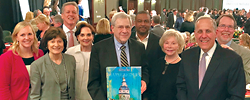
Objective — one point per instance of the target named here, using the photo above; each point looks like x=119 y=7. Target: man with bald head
x=210 y=72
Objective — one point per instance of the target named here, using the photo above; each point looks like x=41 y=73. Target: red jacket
x=14 y=77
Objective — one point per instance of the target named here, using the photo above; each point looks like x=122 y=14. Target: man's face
x=46 y=12
x=183 y=15
x=122 y=30
x=164 y=10
x=205 y=34
x=225 y=30
x=70 y=15
x=142 y=23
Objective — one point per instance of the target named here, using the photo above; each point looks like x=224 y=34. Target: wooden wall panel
x=186 y=4
x=173 y=4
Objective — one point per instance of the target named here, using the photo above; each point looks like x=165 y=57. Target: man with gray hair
x=210 y=72
x=107 y=53
x=158 y=29
x=58 y=21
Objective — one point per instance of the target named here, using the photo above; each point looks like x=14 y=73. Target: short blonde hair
x=42 y=18
x=177 y=35
x=103 y=26
x=189 y=16
x=29 y=16
x=246 y=39
x=15 y=46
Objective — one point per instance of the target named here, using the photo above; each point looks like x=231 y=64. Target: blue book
x=123 y=83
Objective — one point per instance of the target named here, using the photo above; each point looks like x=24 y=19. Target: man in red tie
x=210 y=72
x=70 y=17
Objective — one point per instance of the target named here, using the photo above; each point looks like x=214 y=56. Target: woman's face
x=170 y=46
x=55 y=46
x=241 y=42
x=85 y=37
x=25 y=37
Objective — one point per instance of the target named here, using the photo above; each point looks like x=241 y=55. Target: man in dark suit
x=171 y=19
x=201 y=13
x=163 y=16
x=224 y=37
x=210 y=72
x=158 y=29
x=179 y=21
x=107 y=54
x=247 y=24
x=147 y=37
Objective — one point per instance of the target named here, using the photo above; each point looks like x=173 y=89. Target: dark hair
x=52 y=33
x=142 y=12
x=78 y=29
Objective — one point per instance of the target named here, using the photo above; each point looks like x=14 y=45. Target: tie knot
x=71 y=32
x=123 y=47
x=204 y=54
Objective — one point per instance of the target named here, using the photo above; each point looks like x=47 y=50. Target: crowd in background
x=55 y=54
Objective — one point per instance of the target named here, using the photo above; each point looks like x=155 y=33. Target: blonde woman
x=14 y=64
x=29 y=16
x=244 y=40
x=102 y=30
x=188 y=24
x=43 y=24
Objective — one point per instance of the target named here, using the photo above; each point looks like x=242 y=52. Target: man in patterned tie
x=70 y=17
x=210 y=72
x=117 y=50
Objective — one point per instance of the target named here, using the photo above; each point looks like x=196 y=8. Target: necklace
x=57 y=76
x=167 y=63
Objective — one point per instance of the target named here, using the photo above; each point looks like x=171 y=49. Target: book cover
x=123 y=83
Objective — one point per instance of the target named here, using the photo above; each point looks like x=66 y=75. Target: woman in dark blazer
x=163 y=76
x=188 y=24
x=53 y=75
x=15 y=63
x=102 y=30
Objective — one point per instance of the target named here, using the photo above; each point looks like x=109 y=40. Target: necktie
x=71 y=39
x=202 y=68
x=123 y=57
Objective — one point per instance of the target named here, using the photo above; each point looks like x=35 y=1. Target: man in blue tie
x=210 y=72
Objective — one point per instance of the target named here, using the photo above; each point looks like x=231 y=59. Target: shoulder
x=40 y=53
x=67 y=56
x=6 y=56
x=71 y=50
x=153 y=36
x=40 y=60
x=104 y=42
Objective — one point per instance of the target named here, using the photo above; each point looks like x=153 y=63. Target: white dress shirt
x=67 y=33
x=144 y=41
x=210 y=54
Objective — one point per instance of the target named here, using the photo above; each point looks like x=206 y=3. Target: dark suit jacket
x=247 y=26
x=158 y=30
x=178 y=23
x=223 y=80
x=187 y=26
x=170 y=21
x=103 y=54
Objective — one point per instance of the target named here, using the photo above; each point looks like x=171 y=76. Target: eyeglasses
x=223 y=26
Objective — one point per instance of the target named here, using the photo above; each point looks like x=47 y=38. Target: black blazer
x=103 y=54
x=223 y=80
x=247 y=26
x=170 y=21
x=187 y=26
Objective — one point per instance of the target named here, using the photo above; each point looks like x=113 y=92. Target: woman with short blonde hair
x=102 y=30
x=244 y=40
x=188 y=24
x=43 y=24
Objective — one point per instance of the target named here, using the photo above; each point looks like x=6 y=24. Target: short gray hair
x=120 y=15
x=207 y=17
x=156 y=19
x=58 y=18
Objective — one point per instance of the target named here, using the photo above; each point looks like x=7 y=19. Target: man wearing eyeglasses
x=224 y=33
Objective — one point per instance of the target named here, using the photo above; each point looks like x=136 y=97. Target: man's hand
x=226 y=47
x=143 y=86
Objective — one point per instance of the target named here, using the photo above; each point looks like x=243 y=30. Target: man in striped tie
x=210 y=72
x=117 y=50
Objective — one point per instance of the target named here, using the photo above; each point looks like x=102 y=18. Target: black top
x=100 y=37
x=187 y=26
x=162 y=86
x=28 y=61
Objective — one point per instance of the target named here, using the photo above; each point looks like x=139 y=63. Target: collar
x=77 y=48
x=157 y=25
x=66 y=29
x=118 y=44
x=229 y=43
x=137 y=38
x=210 y=52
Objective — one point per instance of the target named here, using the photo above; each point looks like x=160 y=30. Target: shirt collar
x=66 y=29
x=229 y=43
x=211 y=51
x=139 y=38
x=118 y=44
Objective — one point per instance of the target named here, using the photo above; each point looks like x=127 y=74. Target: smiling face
x=122 y=30
x=225 y=30
x=85 y=37
x=55 y=46
x=142 y=23
x=205 y=34
x=70 y=15
x=25 y=37
x=170 y=46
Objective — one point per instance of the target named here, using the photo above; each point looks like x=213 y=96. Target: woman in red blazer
x=14 y=64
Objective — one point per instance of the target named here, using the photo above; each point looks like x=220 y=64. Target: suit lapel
x=111 y=52
x=213 y=65
x=19 y=60
x=194 y=63
x=234 y=46
x=49 y=67
x=150 y=44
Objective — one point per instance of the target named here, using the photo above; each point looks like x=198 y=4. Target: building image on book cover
x=123 y=83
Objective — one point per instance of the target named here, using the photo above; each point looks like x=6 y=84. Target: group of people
x=73 y=60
